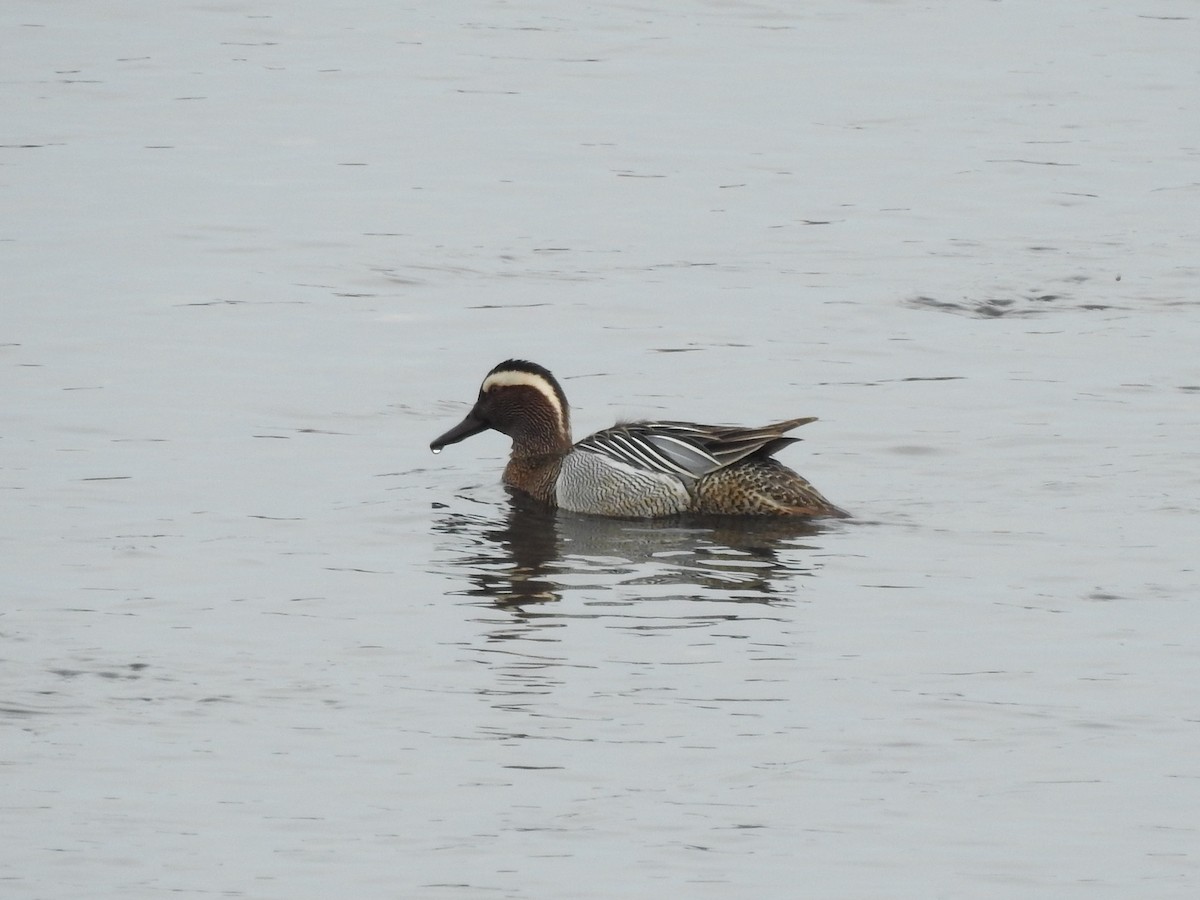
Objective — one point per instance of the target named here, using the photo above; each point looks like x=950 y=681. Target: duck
x=642 y=469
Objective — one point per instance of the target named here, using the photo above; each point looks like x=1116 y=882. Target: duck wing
x=687 y=450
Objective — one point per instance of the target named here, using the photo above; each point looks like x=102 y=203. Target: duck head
x=524 y=401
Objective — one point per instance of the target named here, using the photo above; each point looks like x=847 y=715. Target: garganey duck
x=634 y=469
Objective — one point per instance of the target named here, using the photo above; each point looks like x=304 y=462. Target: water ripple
x=520 y=556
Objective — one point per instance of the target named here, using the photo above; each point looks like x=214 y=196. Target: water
x=258 y=641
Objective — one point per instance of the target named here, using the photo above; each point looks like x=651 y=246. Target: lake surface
x=257 y=642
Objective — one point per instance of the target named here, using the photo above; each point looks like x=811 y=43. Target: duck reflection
x=532 y=555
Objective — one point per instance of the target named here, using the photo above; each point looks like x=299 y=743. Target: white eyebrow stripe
x=516 y=378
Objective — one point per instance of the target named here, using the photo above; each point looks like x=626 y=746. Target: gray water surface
x=257 y=642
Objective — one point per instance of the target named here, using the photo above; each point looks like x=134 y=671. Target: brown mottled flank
x=760 y=486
